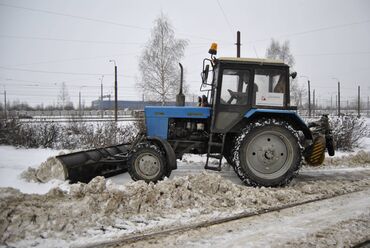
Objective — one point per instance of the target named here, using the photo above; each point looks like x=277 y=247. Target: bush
x=88 y=135
x=74 y=135
x=348 y=130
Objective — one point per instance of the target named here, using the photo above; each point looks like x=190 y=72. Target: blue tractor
x=244 y=116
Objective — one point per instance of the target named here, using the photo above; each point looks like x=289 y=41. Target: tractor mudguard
x=170 y=153
x=292 y=117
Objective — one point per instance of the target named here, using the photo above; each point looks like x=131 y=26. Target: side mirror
x=293 y=74
x=205 y=74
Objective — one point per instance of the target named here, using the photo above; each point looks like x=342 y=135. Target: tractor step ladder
x=211 y=144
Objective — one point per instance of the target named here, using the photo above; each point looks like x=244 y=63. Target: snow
x=299 y=226
x=15 y=160
x=101 y=210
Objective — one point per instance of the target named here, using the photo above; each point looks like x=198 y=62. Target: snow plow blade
x=85 y=165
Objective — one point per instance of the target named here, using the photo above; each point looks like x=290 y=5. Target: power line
x=93 y=19
x=60 y=72
x=72 y=59
x=69 y=40
x=328 y=28
x=85 y=41
x=330 y=54
x=73 y=16
x=224 y=14
x=319 y=29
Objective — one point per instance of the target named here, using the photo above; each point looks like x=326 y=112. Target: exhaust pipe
x=180 y=98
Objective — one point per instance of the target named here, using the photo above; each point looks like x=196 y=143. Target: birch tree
x=158 y=63
x=282 y=52
x=63 y=97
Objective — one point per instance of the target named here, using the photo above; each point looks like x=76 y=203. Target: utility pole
x=115 y=91
x=331 y=103
x=313 y=104
x=309 y=98
x=5 y=107
x=101 y=96
x=79 y=102
x=338 y=98
x=368 y=105
x=358 y=102
x=238 y=44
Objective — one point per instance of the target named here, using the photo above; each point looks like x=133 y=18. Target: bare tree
x=158 y=64
x=280 y=51
x=63 y=97
x=297 y=91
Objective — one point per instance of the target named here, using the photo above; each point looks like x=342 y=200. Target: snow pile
x=360 y=158
x=101 y=207
x=48 y=170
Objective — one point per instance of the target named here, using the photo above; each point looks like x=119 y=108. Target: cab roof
x=252 y=61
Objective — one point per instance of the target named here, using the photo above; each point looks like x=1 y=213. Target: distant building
x=134 y=105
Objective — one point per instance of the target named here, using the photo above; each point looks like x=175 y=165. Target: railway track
x=146 y=236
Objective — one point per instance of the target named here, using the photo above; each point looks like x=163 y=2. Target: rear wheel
x=267 y=153
x=147 y=163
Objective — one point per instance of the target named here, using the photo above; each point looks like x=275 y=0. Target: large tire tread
x=251 y=180
x=147 y=146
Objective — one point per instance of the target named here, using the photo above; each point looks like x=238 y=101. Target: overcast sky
x=46 y=42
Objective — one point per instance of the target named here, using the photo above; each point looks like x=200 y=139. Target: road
x=339 y=221
x=342 y=221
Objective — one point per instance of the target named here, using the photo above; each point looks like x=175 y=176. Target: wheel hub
x=148 y=165
x=267 y=154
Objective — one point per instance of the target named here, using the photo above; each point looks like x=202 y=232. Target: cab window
x=234 y=88
x=271 y=85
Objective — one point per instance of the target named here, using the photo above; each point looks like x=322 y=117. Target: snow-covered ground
x=305 y=225
x=73 y=215
x=15 y=160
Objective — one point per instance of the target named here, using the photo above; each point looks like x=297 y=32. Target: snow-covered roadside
x=15 y=161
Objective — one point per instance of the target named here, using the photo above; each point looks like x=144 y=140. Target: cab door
x=234 y=93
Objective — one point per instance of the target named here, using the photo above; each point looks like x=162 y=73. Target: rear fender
x=287 y=115
x=170 y=153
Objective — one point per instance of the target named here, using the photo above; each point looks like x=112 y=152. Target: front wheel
x=147 y=163
x=267 y=153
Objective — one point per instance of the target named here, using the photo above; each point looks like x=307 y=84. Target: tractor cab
x=238 y=85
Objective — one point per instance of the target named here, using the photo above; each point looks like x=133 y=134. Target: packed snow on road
x=39 y=208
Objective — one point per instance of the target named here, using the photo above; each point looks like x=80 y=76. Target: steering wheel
x=239 y=96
